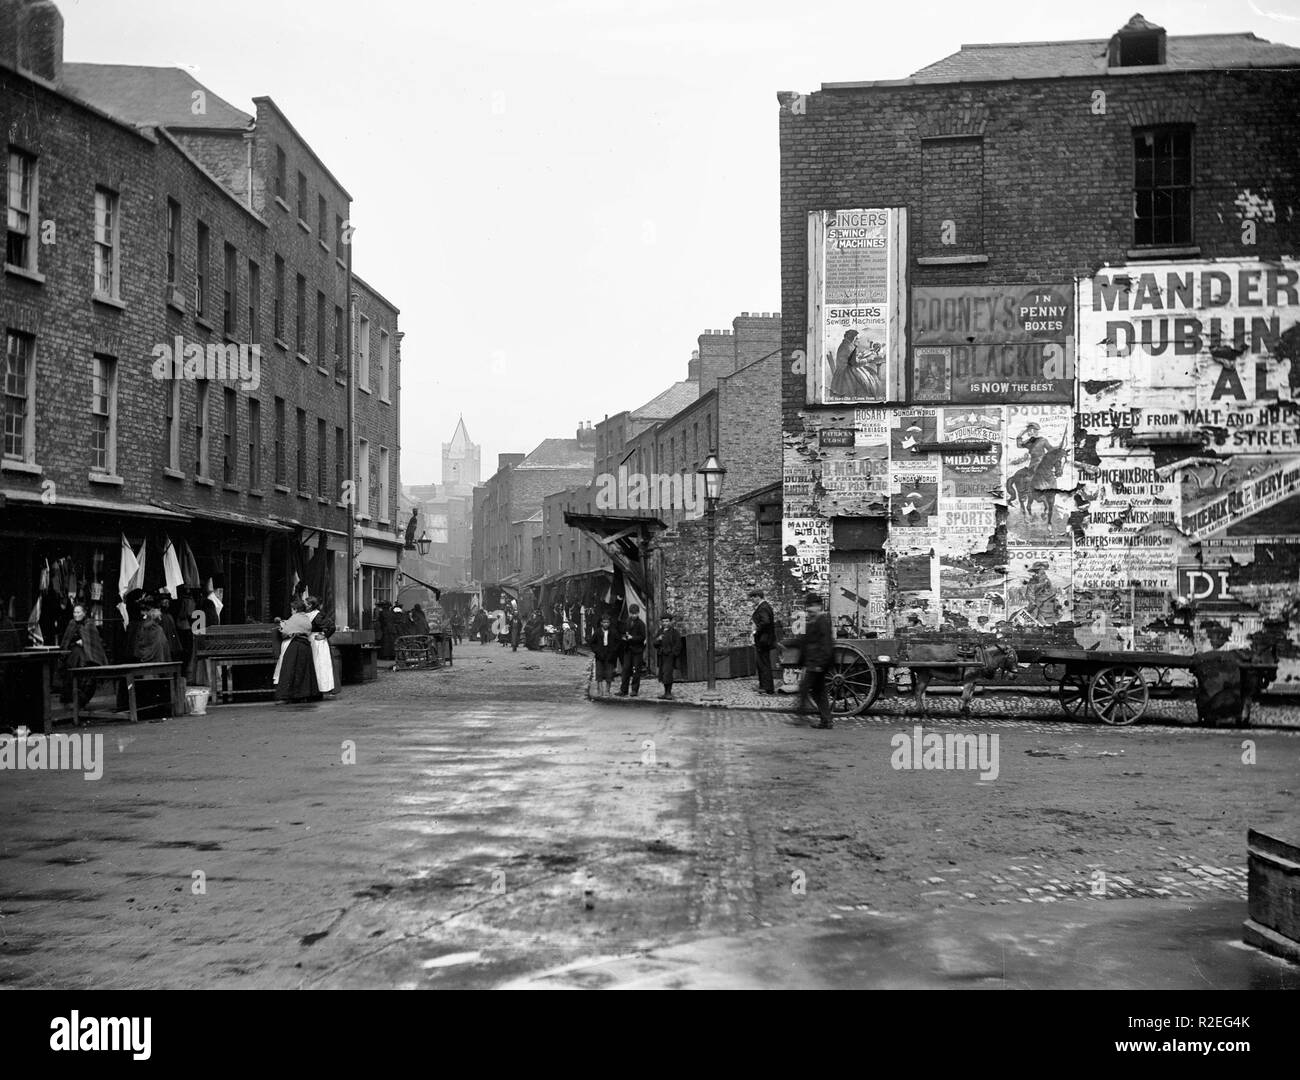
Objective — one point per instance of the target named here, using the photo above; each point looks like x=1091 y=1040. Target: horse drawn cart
x=1110 y=686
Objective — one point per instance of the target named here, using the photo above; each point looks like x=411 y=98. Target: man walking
x=634 y=635
x=816 y=648
x=764 y=620
x=669 y=647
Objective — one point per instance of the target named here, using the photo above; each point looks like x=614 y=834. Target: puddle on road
x=452 y=959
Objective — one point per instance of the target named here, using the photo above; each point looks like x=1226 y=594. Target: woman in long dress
x=856 y=377
x=295 y=675
x=322 y=626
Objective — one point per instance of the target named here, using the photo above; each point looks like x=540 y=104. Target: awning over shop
x=225 y=517
x=94 y=506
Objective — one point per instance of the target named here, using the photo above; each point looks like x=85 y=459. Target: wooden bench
x=132 y=673
x=220 y=649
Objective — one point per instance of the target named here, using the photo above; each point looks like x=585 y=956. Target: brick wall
x=742 y=562
x=1055 y=180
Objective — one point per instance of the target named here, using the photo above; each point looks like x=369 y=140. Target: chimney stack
x=32 y=31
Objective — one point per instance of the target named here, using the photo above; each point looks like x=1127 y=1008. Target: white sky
x=561 y=194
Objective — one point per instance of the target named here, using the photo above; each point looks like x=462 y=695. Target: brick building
x=1072 y=263
x=508 y=508
x=148 y=218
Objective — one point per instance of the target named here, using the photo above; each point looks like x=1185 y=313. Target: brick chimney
x=693 y=368
x=717 y=357
x=31 y=37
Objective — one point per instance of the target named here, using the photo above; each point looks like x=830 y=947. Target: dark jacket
x=817 y=644
x=634 y=634
x=605 y=653
x=670 y=646
x=87 y=635
x=170 y=633
x=151 y=643
x=764 y=620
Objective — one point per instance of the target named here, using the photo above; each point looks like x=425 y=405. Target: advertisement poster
x=1040 y=586
x=981 y=343
x=972 y=595
x=855 y=480
x=1040 y=473
x=967 y=525
x=975 y=473
x=1146 y=562
x=855 y=325
x=1219 y=495
x=806 y=545
x=914 y=578
x=1175 y=346
x=1126 y=496
x=797 y=482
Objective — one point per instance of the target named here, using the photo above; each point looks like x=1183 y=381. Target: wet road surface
x=496 y=829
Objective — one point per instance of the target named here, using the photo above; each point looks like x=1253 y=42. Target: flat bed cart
x=1109 y=685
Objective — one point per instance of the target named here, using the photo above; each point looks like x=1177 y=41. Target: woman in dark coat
x=152 y=698
x=419 y=621
x=295 y=679
x=84 y=646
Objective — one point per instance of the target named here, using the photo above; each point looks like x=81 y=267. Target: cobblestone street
x=497 y=828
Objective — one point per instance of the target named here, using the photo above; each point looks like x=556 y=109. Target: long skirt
x=323 y=664
x=297 y=681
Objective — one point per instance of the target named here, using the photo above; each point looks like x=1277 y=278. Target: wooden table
x=46 y=659
x=132 y=673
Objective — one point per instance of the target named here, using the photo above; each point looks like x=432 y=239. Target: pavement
x=487 y=826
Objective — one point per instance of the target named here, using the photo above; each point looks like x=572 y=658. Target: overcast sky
x=561 y=194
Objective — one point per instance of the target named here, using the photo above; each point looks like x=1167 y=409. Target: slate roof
x=559 y=454
x=670 y=402
x=1057 y=59
x=151 y=95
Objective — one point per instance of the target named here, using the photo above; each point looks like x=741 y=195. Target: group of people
x=305 y=671
x=392 y=622
x=622 y=648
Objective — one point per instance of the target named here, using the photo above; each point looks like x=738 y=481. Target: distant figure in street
x=816 y=649
x=153 y=698
x=604 y=647
x=419 y=621
x=633 y=646
x=516 y=629
x=533 y=632
x=457 y=627
x=764 y=620
x=384 y=630
x=669 y=648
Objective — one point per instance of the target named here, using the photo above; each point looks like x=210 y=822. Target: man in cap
x=764 y=620
x=669 y=647
x=633 y=638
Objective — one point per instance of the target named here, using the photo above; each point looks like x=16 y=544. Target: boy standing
x=669 y=647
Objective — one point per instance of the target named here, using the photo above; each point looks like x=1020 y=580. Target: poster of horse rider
x=857 y=287
x=1040 y=474
x=976 y=473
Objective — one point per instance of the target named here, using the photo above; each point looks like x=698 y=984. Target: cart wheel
x=1073 y=695
x=1118 y=695
x=852 y=682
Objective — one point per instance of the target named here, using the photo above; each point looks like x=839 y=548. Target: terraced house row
x=180 y=311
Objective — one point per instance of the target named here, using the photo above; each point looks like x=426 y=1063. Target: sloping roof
x=460 y=437
x=670 y=402
x=151 y=95
x=1056 y=59
x=559 y=454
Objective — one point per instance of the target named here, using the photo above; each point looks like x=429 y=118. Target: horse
x=987 y=662
x=1030 y=485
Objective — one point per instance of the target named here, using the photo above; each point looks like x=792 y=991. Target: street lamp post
x=712 y=473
